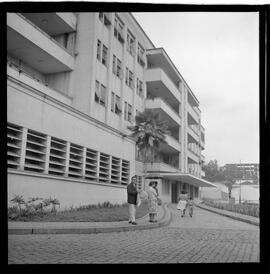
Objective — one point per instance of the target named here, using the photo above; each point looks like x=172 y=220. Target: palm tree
x=149 y=132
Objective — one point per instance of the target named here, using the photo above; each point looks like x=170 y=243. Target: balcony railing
x=57 y=94
x=158 y=74
x=194 y=130
x=45 y=33
x=157 y=102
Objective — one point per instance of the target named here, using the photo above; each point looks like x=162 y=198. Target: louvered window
x=115 y=170
x=35 y=152
x=57 y=162
x=14 y=143
x=104 y=167
x=125 y=172
x=91 y=164
x=75 y=161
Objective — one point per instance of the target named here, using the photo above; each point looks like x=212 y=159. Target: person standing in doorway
x=132 y=193
x=182 y=202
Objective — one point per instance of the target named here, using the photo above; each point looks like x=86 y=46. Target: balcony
x=166 y=112
x=160 y=167
x=192 y=132
x=195 y=115
x=193 y=156
x=160 y=85
x=158 y=58
x=22 y=77
x=172 y=146
x=53 y=23
x=33 y=46
x=202 y=137
x=203 y=158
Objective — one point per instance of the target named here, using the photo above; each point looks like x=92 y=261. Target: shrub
x=246 y=209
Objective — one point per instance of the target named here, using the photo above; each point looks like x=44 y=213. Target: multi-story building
x=243 y=171
x=75 y=81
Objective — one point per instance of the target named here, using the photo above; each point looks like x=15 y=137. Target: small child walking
x=190 y=206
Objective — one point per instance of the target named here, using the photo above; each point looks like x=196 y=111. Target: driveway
x=204 y=238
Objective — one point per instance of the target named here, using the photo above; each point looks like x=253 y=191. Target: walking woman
x=152 y=202
x=182 y=203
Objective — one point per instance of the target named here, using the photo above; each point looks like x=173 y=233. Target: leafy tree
x=149 y=132
x=213 y=172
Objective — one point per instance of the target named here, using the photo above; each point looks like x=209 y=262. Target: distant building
x=243 y=172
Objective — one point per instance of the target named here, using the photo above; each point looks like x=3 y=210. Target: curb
x=165 y=220
x=228 y=214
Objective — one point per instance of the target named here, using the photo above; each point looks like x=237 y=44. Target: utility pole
x=240 y=199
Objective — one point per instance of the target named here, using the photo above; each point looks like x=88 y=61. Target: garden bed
x=105 y=212
x=246 y=209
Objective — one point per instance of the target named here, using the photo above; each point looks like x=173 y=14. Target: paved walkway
x=205 y=238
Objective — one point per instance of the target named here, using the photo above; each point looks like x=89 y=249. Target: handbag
x=159 y=201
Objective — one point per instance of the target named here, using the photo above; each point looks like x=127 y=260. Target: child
x=190 y=206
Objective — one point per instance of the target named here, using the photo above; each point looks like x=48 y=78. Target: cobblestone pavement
x=204 y=238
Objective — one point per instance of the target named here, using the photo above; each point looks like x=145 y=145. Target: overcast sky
x=218 y=56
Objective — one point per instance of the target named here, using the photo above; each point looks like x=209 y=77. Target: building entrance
x=174 y=192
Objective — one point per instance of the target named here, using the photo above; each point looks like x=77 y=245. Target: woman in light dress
x=152 y=202
x=182 y=203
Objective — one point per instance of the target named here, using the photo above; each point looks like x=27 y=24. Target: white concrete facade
x=71 y=97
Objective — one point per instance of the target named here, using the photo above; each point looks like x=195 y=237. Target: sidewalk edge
x=165 y=220
x=238 y=218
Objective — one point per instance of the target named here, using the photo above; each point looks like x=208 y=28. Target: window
x=129 y=112
x=91 y=164
x=115 y=170
x=130 y=43
x=118 y=108
x=104 y=167
x=103 y=95
x=100 y=93
x=126 y=111
x=14 y=143
x=126 y=76
x=100 y=15
x=35 y=152
x=105 y=18
x=139 y=88
x=75 y=161
x=119 y=69
x=114 y=65
x=139 y=183
x=104 y=55
x=83 y=162
x=112 y=102
x=125 y=172
x=57 y=162
x=140 y=55
x=98 y=50
x=118 y=30
x=129 y=78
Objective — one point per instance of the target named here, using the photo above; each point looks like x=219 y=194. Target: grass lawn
x=92 y=214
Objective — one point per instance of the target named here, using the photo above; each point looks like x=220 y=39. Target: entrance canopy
x=185 y=178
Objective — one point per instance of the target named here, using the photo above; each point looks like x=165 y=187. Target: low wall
x=68 y=191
